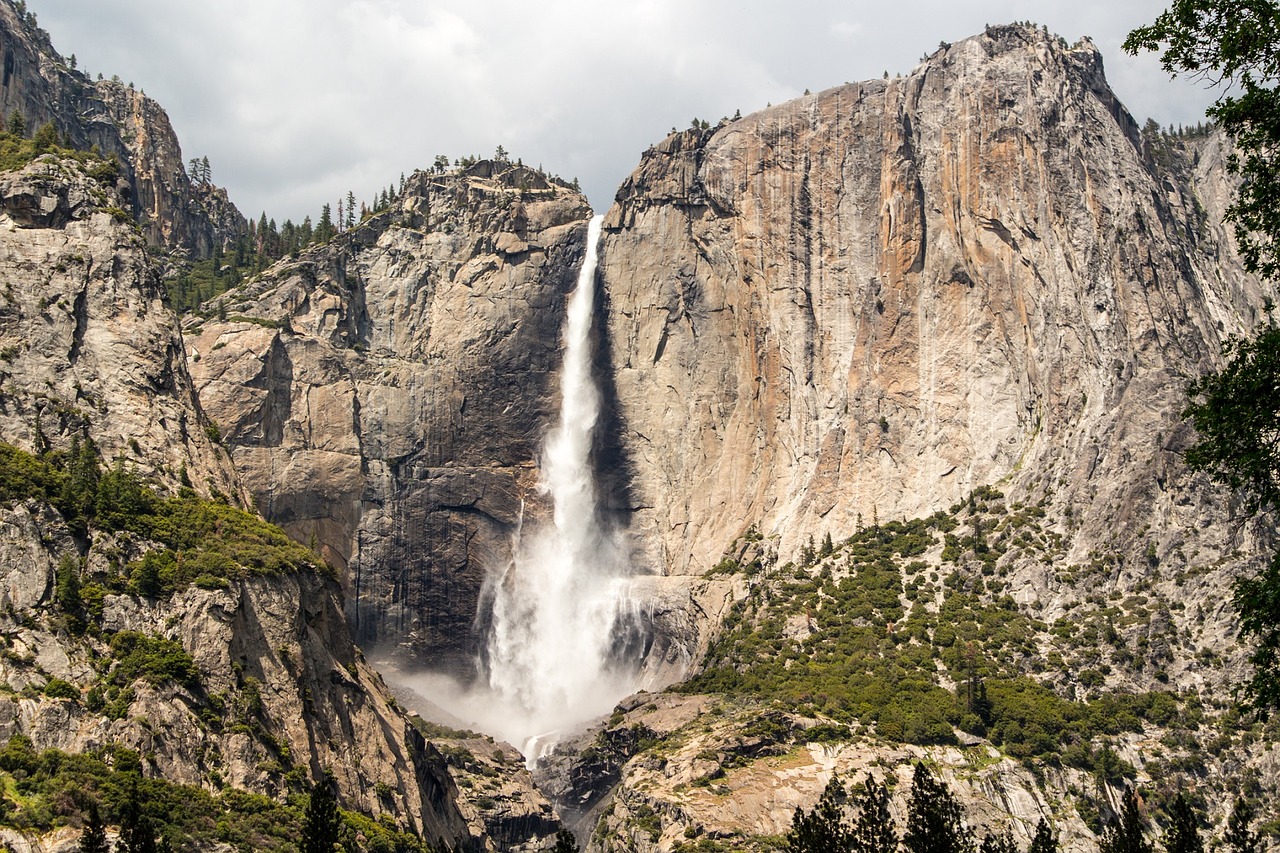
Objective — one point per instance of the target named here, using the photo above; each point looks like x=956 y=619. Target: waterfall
x=561 y=602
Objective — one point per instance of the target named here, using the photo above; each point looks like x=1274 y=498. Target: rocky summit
x=891 y=380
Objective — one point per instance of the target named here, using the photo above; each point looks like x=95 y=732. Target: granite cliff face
x=36 y=81
x=88 y=351
x=865 y=305
x=386 y=395
x=866 y=302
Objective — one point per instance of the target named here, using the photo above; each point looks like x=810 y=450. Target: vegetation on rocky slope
x=46 y=789
x=885 y=630
x=202 y=541
x=907 y=632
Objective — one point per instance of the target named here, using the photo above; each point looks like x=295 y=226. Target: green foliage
x=57 y=788
x=1240 y=836
x=824 y=829
x=137 y=833
x=864 y=656
x=935 y=821
x=565 y=842
x=1000 y=842
x=874 y=830
x=1235 y=413
x=17 y=151
x=200 y=538
x=59 y=689
x=154 y=659
x=322 y=827
x=94 y=839
x=1182 y=835
x=1237 y=45
x=1045 y=840
x=1125 y=833
x=66 y=590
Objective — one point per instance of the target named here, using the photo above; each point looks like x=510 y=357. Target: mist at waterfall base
x=563 y=624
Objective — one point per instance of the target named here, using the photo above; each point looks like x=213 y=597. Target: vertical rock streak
x=558 y=603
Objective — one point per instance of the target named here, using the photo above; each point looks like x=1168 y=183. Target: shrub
x=59 y=689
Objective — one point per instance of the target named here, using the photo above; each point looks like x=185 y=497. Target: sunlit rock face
x=92 y=353
x=864 y=303
x=119 y=120
x=386 y=395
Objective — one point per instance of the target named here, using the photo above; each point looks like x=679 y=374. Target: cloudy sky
x=295 y=102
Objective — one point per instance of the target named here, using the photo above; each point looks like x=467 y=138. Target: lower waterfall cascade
x=561 y=608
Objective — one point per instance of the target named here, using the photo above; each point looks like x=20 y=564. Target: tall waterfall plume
x=564 y=631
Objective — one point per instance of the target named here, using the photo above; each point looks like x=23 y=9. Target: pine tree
x=1239 y=837
x=873 y=830
x=324 y=231
x=1183 y=833
x=351 y=210
x=46 y=138
x=935 y=822
x=137 y=835
x=1124 y=834
x=323 y=826
x=1001 y=842
x=94 y=838
x=67 y=586
x=1045 y=840
x=566 y=843
x=822 y=830
x=17 y=124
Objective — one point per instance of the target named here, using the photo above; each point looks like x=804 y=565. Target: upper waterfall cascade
x=559 y=605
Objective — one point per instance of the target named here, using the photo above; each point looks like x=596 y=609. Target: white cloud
x=296 y=102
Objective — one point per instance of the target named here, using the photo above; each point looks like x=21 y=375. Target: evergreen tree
x=822 y=830
x=17 y=124
x=1045 y=840
x=137 y=835
x=66 y=588
x=94 y=838
x=80 y=489
x=935 y=822
x=873 y=830
x=1235 y=412
x=46 y=138
x=324 y=230
x=1239 y=837
x=1183 y=833
x=322 y=828
x=1001 y=842
x=1124 y=834
x=350 y=221
x=566 y=843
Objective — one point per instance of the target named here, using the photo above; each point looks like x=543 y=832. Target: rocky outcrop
x=866 y=302
x=118 y=120
x=87 y=347
x=385 y=395
x=88 y=352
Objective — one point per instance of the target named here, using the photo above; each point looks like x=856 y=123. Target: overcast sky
x=295 y=102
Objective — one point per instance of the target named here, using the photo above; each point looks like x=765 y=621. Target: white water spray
x=559 y=604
